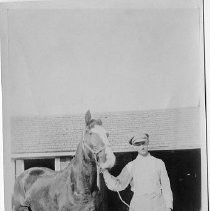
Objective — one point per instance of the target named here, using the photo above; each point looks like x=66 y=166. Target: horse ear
x=87 y=117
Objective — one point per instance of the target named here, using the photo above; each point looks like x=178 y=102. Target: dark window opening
x=184 y=170
x=49 y=163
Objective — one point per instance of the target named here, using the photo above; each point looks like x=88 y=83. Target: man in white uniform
x=151 y=185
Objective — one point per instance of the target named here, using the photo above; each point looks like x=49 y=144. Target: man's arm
x=166 y=187
x=120 y=182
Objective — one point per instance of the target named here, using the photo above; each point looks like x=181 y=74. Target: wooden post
x=57 y=164
x=19 y=167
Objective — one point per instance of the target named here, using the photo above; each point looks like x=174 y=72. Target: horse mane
x=79 y=151
x=84 y=165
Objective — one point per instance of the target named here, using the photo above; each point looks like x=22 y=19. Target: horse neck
x=85 y=169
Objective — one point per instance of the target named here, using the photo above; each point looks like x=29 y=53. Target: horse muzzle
x=110 y=159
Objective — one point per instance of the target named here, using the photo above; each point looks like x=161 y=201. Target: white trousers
x=146 y=203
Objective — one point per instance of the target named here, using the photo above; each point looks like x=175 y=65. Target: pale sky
x=68 y=61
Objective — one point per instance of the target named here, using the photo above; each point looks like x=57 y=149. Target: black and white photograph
x=104 y=105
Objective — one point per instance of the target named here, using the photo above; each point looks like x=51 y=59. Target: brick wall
x=168 y=129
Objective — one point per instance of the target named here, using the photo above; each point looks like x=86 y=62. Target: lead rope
x=118 y=192
x=98 y=173
x=123 y=200
x=130 y=209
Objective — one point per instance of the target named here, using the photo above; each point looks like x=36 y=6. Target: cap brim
x=139 y=142
x=131 y=141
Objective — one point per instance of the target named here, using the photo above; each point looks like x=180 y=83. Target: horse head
x=97 y=143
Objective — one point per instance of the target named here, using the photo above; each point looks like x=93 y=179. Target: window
x=49 y=163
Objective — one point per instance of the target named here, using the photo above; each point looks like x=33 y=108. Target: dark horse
x=75 y=187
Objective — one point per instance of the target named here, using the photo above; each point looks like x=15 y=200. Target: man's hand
x=102 y=170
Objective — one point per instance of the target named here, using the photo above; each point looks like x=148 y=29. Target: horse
x=73 y=189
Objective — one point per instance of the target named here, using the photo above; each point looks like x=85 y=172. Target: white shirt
x=149 y=178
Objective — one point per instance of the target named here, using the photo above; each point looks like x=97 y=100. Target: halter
x=90 y=149
x=95 y=153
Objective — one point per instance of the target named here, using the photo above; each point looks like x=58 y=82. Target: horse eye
x=107 y=134
x=99 y=122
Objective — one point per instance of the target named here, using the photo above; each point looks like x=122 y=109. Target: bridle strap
x=95 y=158
x=84 y=144
x=95 y=153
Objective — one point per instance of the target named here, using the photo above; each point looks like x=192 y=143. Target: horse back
x=26 y=180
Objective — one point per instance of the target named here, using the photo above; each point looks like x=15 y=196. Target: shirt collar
x=143 y=157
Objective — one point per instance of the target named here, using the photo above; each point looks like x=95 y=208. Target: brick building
x=174 y=137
